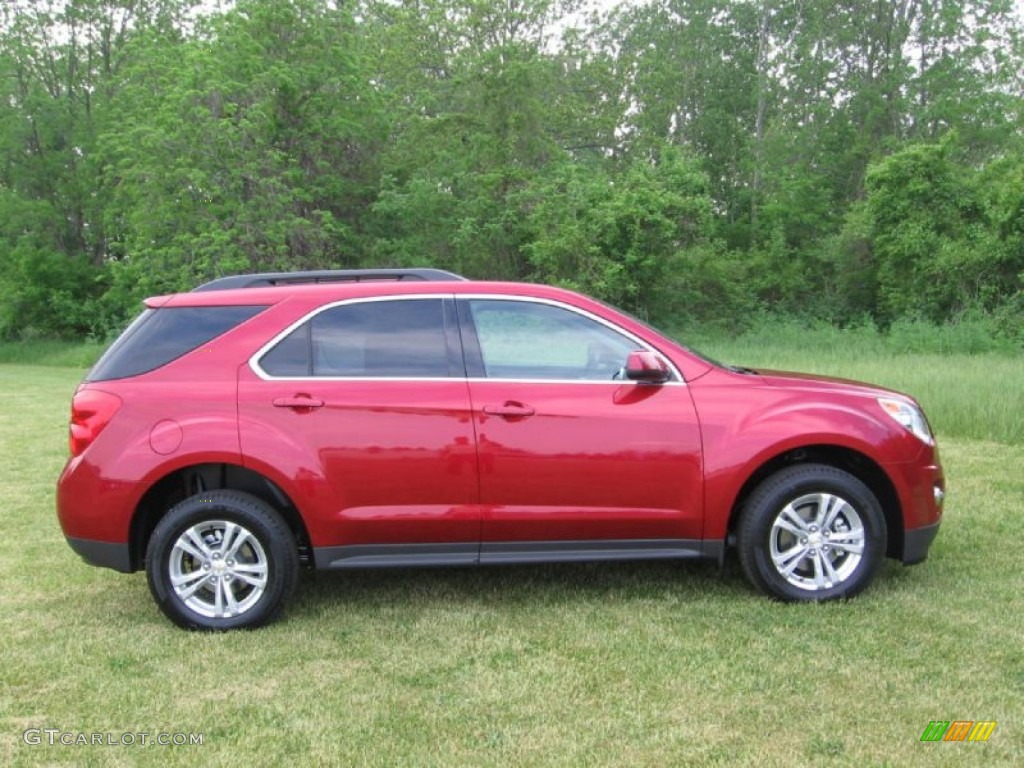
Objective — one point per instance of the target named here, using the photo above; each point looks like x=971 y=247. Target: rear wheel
x=811 y=532
x=222 y=560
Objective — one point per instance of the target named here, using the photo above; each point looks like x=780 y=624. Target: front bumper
x=916 y=543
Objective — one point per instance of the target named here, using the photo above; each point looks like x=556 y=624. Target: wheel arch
x=196 y=478
x=861 y=466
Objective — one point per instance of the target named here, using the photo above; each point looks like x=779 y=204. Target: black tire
x=222 y=546
x=785 y=550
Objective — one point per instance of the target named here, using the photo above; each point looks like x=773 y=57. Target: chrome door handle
x=510 y=410
x=299 y=401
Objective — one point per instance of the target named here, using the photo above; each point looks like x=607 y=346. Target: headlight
x=910 y=416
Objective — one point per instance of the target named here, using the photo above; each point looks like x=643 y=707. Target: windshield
x=659 y=332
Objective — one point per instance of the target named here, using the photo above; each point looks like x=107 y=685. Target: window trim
x=254 y=359
x=466 y=333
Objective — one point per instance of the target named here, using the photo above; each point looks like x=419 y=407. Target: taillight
x=91 y=411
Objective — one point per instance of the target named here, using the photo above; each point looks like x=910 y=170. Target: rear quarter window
x=158 y=336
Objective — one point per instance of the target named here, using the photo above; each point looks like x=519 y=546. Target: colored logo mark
x=958 y=730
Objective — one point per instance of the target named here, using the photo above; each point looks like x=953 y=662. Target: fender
x=736 y=445
x=101 y=489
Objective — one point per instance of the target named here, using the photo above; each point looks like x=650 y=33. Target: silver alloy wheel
x=218 y=569
x=817 y=541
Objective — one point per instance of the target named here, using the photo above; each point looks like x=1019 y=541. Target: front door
x=576 y=463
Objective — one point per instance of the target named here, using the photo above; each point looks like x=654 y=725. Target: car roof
x=339 y=291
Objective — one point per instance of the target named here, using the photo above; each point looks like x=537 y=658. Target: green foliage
x=247 y=153
x=639 y=239
x=848 y=274
x=973 y=334
x=702 y=160
x=936 y=250
x=477 y=132
x=44 y=291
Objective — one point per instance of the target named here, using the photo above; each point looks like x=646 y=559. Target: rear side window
x=158 y=336
x=376 y=339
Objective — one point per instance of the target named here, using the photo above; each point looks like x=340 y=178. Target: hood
x=814 y=383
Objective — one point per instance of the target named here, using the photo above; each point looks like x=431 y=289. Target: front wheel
x=222 y=560
x=811 y=532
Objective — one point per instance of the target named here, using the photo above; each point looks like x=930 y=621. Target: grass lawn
x=652 y=664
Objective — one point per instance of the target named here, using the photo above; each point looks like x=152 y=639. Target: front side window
x=529 y=340
x=376 y=339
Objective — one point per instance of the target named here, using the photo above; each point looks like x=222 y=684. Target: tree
x=62 y=64
x=935 y=252
x=146 y=145
x=248 y=146
x=471 y=90
x=640 y=238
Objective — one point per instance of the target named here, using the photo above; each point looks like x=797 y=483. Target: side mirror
x=646 y=367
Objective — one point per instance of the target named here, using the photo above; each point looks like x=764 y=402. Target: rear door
x=575 y=462
x=365 y=406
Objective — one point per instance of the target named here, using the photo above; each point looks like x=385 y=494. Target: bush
x=970 y=334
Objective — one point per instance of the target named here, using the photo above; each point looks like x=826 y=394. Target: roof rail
x=269 y=279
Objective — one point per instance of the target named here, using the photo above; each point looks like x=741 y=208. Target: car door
x=575 y=462
x=364 y=406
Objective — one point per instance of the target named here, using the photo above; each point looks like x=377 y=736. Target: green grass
x=978 y=396
x=650 y=664
x=72 y=354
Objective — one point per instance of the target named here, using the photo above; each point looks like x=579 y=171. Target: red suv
x=363 y=419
